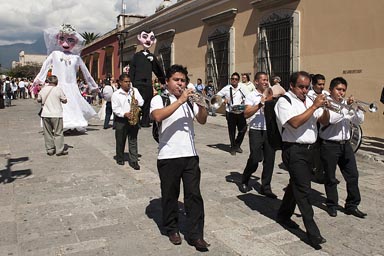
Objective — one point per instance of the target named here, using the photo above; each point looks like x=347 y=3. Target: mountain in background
x=9 y=53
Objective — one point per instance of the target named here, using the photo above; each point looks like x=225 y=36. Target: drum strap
x=230 y=93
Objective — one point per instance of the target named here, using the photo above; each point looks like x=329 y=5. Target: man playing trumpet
x=336 y=150
x=258 y=140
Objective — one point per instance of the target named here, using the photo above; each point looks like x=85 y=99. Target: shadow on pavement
x=8 y=176
x=373 y=145
x=154 y=211
x=221 y=146
x=266 y=206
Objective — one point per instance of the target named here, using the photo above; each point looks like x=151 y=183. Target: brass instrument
x=337 y=106
x=215 y=102
x=135 y=110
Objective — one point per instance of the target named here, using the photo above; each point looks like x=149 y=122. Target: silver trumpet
x=215 y=102
x=337 y=106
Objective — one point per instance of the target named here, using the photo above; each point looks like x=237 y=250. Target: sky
x=23 y=21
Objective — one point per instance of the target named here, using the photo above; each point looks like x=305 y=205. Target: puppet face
x=147 y=39
x=66 y=41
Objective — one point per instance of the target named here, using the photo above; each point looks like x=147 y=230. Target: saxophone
x=135 y=110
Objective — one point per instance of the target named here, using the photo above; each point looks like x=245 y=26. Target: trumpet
x=337 y=106
x=215 y=102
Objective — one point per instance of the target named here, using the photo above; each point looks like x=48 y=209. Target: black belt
x=302 y=145
x=340 y=142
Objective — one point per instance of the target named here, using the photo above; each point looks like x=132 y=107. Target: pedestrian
x=260 y=148
x=177 y=158
x=234 y=98
x=123 y=101
x=106 y=93
x=52 y=97
x=299 y=134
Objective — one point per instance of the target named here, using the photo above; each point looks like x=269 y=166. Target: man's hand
x=319 y=101
x=128 y=115
x=185 y=96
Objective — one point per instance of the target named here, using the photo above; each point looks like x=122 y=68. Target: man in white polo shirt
x=298 y=119
x=177 y=158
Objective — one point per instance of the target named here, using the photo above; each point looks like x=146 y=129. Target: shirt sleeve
x=139 y=98
x=156 y=103
x=116 y=106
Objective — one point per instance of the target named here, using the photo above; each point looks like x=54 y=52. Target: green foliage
x=89 y=37
x=27 y=71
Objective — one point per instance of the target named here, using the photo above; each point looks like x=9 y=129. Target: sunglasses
x=235 y=78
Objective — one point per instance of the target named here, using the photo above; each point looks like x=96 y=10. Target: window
x=217 y=62
x=278 y=46
x=165 y=57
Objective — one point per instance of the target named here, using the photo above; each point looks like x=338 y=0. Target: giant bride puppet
x=64 y=45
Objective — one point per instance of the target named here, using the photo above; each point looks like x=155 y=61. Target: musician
x=121 y=107
x=177 y=158
x=298 y=119
x=317 y=88
x=233 y=95
x=258 y=141
x=317 y=85
x=336 y=150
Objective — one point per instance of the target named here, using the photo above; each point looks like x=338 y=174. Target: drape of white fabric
x=65 y=66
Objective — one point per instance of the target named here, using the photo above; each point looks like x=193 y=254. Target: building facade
x=215 y=38
x=29 y=59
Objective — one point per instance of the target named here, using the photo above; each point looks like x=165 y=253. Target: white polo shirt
x=257 y=120
x=176 y=133
x=121 y=101
x=340 y=124
x=307 y=132
x=238 y=95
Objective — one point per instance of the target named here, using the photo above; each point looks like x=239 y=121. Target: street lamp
x=121 y=36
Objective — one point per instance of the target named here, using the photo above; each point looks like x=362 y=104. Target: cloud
x=25 y=20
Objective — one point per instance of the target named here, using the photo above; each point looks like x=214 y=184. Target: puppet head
x=65 y=38
x=146 y=38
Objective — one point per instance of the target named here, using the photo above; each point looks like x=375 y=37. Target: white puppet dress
x=64 y=61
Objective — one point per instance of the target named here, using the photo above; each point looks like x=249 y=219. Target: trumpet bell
x=373 y=108
x=216 y=102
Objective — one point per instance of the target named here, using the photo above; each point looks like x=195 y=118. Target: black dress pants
x=236 y=121
x=298 y=159
x=333 y=154
x=108 y=113
x=171 y=172
x=124 y=130
x=146 y=92
x=260 y=150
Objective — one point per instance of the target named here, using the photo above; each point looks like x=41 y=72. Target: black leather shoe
x=233 y=151
x=200 y=244
x=268 y=193
x=120 y=162
x=62 y=153
x=355 y=212
x=243 y=188
x=332 y=211
x=316 y=240
x=239 y=150
x=135 y=165
x=287 y=223
x=175 y=238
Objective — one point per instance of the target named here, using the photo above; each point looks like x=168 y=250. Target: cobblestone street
x=85 y=204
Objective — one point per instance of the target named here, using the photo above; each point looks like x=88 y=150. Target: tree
x=89 y=37
x=28 y=71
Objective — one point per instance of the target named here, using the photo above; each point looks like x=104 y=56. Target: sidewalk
x=84 y=204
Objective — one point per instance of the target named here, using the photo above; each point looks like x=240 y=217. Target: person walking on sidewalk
x=234 y=97
x=298 y=119
x=258 y=140
x=51 y=97
x=177 y=158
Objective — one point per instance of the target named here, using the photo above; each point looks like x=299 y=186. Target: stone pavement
x=84 y=204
